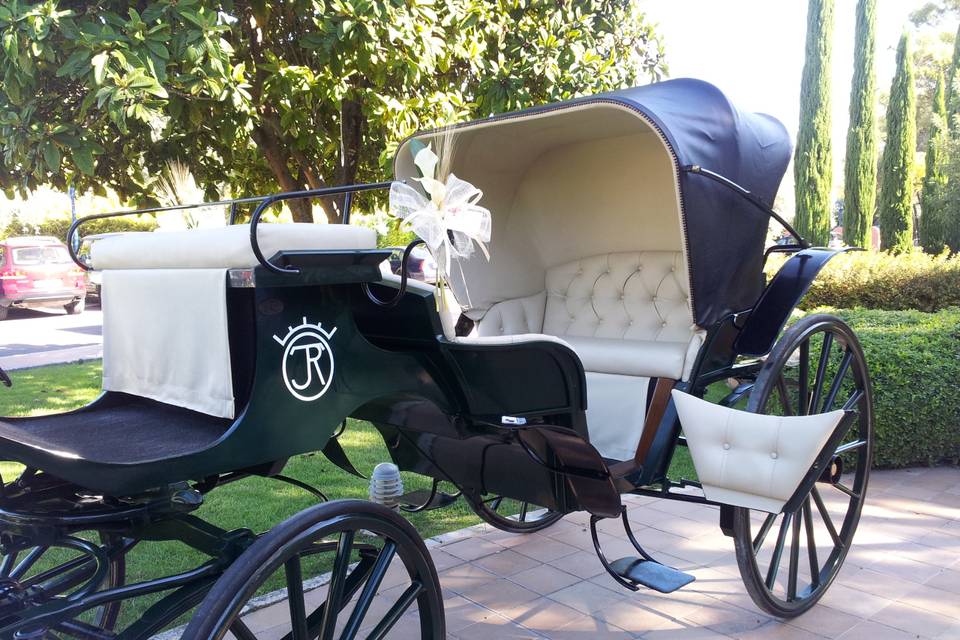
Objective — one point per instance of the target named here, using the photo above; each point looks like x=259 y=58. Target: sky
x=753 y=51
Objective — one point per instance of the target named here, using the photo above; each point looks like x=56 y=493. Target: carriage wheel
x=65 y=569
x=788 y=560
x=358 y=542
x=513 y=516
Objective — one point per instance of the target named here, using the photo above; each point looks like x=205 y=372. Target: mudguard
x=778 y=300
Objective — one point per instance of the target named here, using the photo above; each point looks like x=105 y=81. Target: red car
x=38 y=272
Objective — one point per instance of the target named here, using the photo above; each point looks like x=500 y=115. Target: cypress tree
x=860 y=171
x=896 y=167
x=932 y=230
x=813 y=161
x=952 y=100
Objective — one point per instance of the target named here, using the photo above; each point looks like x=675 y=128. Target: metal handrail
x=264 y=203
x=292 y=195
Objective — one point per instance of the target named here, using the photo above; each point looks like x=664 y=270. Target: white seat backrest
x=639 y=295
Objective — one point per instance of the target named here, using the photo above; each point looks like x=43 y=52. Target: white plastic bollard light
x=386 y=486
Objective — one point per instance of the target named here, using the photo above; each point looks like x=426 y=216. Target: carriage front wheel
x=788 y=560
x=381 y=580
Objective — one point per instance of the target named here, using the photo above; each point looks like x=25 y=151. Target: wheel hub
x=833 y=471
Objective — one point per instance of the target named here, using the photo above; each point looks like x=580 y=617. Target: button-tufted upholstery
x=748 y=459
x=627 y=316
x=627 y=296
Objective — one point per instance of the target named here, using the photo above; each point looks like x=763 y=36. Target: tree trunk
x=277 y=161
x=351 y=123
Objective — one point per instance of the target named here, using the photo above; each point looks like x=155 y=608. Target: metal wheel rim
x=488 y=508
x=417 y=569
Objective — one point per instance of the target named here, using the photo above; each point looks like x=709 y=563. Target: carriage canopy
x=604 y=175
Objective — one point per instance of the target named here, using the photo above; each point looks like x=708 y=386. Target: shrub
x=874 y=280
x=914 y=362
x=58 y=227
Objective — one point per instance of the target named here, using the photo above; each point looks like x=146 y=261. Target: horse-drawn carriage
x=625 y=283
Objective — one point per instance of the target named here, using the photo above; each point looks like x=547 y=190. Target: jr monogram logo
x=307 y=360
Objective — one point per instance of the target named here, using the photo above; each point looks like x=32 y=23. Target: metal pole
x=72 y=192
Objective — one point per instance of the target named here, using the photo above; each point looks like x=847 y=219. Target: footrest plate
x=417 y=499
x=651 y=574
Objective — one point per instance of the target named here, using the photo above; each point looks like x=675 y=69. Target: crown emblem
x=308 y=364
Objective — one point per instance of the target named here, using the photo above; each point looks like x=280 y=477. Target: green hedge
x=914 y=362
x=58 y=227
x=874 y=280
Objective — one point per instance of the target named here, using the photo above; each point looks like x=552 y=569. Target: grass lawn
x=254 y=503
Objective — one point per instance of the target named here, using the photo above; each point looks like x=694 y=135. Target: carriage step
x=426 y=500
x=651 y=574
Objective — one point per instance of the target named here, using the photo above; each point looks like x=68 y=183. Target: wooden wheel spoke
x=853 y=400
x=838 y=380
x=847 y=490
x=803 y=393
x=7 y=564
x=794 y=557
x=337 y=583
x=24 y=565
x=850 y=446
x=764 y=530
x=811 y=544
x=241 y=631
x=774 y=568
x=354 y=581
x=784 y=396
x=400 y=607
x=825 y=516
x=295 y=600
x=821 y=369
x=369 y=590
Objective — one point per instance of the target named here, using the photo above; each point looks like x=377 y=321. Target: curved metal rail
x=264 y=203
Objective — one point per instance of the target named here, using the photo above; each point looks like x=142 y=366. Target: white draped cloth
x=165 y=337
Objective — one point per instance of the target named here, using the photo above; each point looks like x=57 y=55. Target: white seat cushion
x=749 y=459
x=630 y=357
x=226 y=248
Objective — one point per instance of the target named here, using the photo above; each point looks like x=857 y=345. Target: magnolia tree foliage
x=296 y=94
x=860 y=170
x=896 y=167
x=813 y=160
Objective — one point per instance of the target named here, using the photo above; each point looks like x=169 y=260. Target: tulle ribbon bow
x=450 y=222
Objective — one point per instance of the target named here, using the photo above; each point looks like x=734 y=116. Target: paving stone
x=874 y=631
x=588 y=597
x=472 y=548
x=932 y=599
x=913 y=620
x=506 y=563
x=544 y=579
x=545 y=549
x=948 y=580
x=542 y=615
x=826 y=621
x=500 y=594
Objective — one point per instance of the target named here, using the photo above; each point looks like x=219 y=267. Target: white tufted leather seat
x=627 y=316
